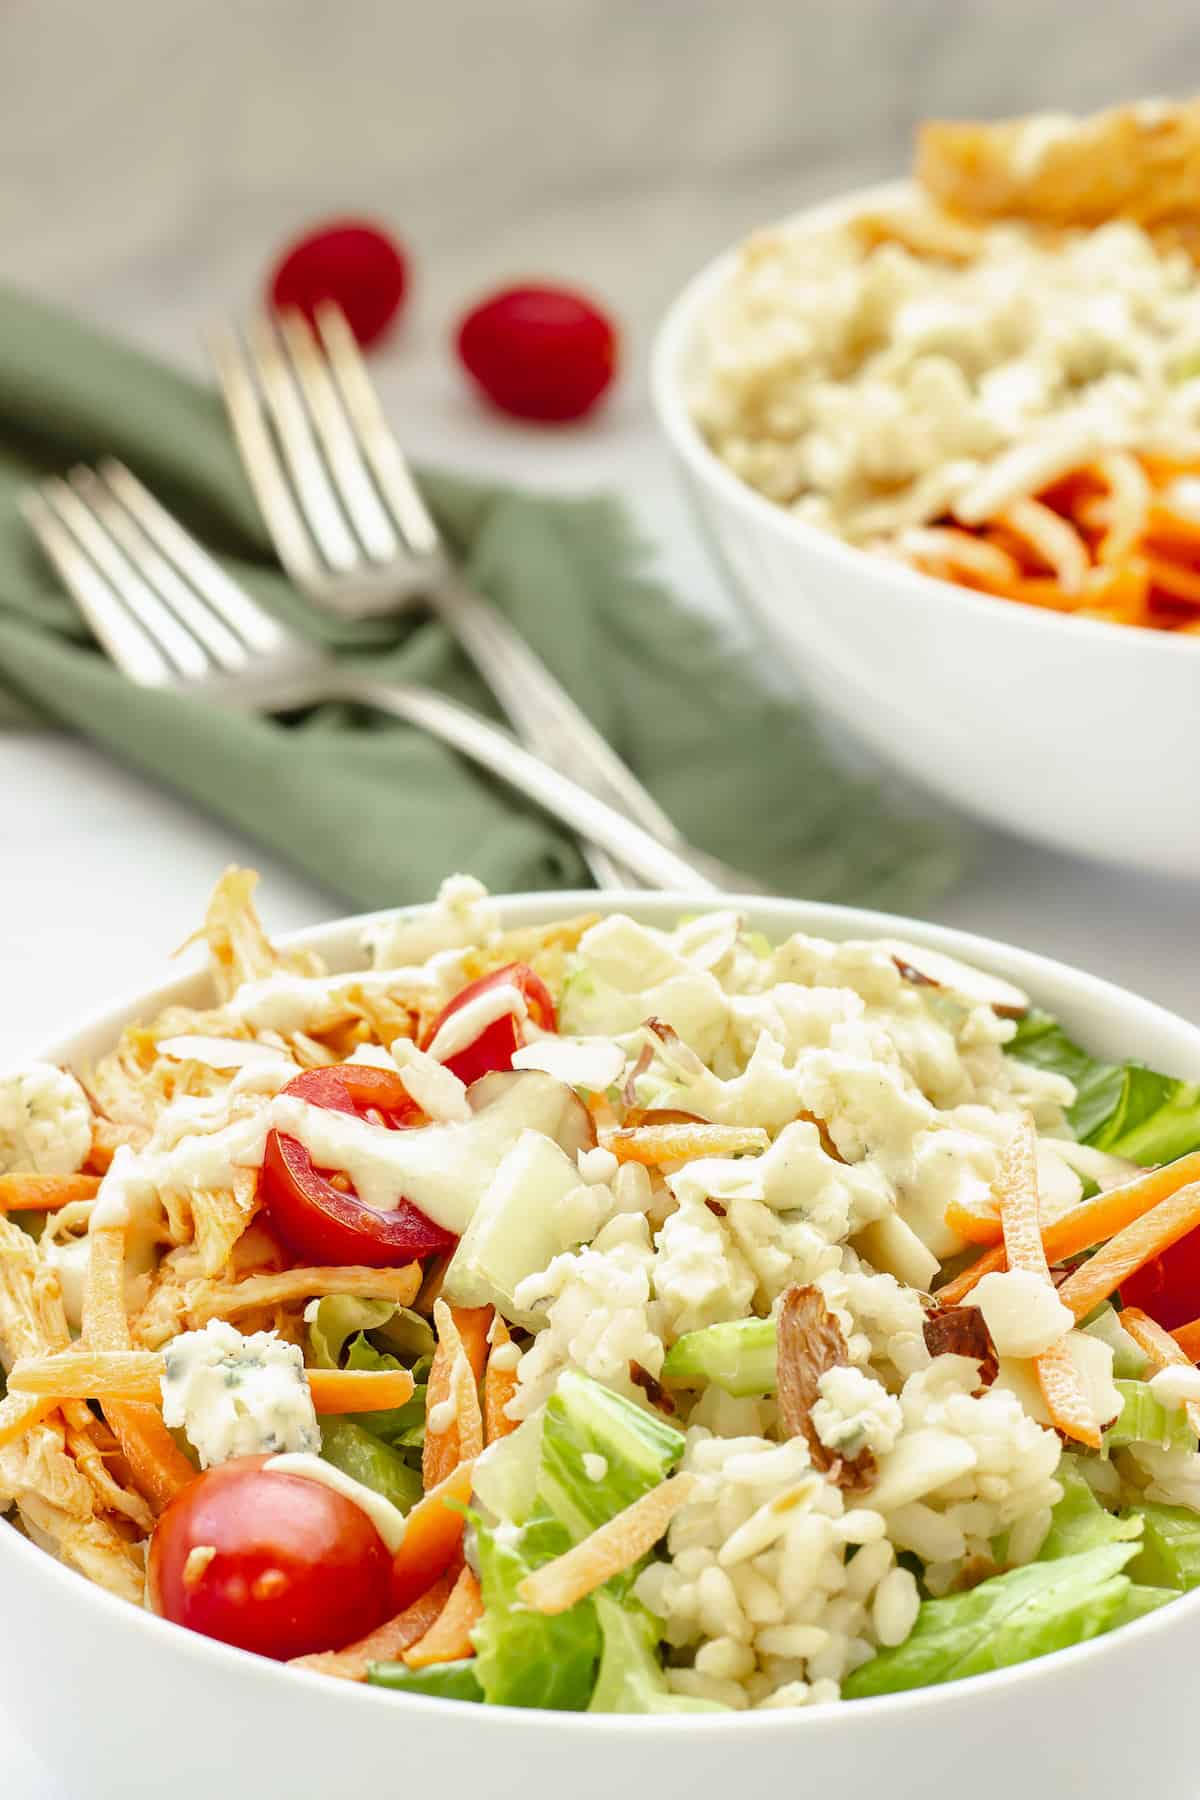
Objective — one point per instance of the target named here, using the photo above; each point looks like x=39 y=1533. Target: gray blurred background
x=156 y=152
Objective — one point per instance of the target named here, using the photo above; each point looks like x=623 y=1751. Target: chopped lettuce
x=527 y=1658
x=1012 y=1618
x=401 y=1426
x=1139 y=1601
x=739 y=1357
x=445 y=1681
x=1145 y=1420
x=600 y=1452
x=631 y=1679
x=1123 y=1108
x=333 y=1321
x=368 y=1459
x=1170 y=1551
x=1079 y=1521
x=505 y=1481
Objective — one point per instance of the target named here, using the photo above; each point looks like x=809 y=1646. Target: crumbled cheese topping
x=1022 y=1312
x=238 y=1396
x=45 y=1121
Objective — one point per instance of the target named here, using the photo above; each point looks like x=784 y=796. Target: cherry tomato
x=322 y=1220
x=1169 y=1287
x=539 y=352
x=347 y=261
x=494 y=1047
x=294 y=1567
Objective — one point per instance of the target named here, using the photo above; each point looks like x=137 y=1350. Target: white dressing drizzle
x=387 y=1519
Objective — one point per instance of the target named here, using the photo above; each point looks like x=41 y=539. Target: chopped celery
x=534 y=1208
x=1079 y=1522
x=1012 y=1618
x=368 y=1459
x=445 y=1681
x=1170 y=1553
x=630 y=1679
x=1129 y=1360
x=600 y=1452
x=1145 y=1420
x=739 y=1357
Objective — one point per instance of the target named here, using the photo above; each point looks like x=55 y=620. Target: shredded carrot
x=1020 y=1217
x=136 y=1375
x=608 y=1551
x=359 y=1390
x=45 y=1193
x=452 y=1385
x=387 y=1641
x=499 y=1387
x=1188 y=1339
x=157 y=1465
x=654 y=1145
x=19 y=1413
x=1138 y=1244
x=432 y=1535
x=1162 y=1350
x=473 y=1324
x=1089 y=1223
x=974 y=1224
x=1053 y=539
x=449 y=1637
x=1129 y=504
x=1112 y=539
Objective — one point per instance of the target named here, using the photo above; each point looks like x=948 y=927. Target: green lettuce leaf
x=401 y=1426
x=628 y=1450
x=1012 y=1618
x=445 y=1681
x=527 y=1658
x=1170 y=1551
x=1139 y=1601
x=631 y=1679
x=1123 y=1108
x=1079 y=1521
x=368 y=1459
x=337 y=1318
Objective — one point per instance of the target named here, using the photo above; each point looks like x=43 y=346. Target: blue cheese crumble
x=238 y=1396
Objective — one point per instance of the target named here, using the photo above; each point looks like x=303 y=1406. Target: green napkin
x=372 y=808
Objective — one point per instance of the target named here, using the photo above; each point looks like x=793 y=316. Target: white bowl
x=120 y=1703
x=1082 y=735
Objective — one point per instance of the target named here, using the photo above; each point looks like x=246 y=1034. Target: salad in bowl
x=606 y=1317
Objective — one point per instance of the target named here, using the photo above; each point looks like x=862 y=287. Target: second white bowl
x=1082 y=735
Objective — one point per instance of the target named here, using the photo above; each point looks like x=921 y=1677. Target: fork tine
x=244 y=616
x=73 y=506
x=212 y=632
x=379 y=446
x=311 y=372
x=126 y=642
x=295 y=548
x=314 y=490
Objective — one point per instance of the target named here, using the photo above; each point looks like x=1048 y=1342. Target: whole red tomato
x=269 y=1562
x=541 y=353
x=350 y=262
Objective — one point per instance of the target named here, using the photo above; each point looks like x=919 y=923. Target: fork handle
x=551 y=723
x=658 y=865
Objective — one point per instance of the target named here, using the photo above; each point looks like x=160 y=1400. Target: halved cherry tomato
x=269 y=1562
x=322 y=1220
x=1169 y=1287
x=494 y=1047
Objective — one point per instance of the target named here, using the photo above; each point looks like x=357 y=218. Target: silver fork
x=170 y=617
x=353 y=532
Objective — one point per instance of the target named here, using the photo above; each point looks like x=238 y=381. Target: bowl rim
x=672 y=343
x=819 y=918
